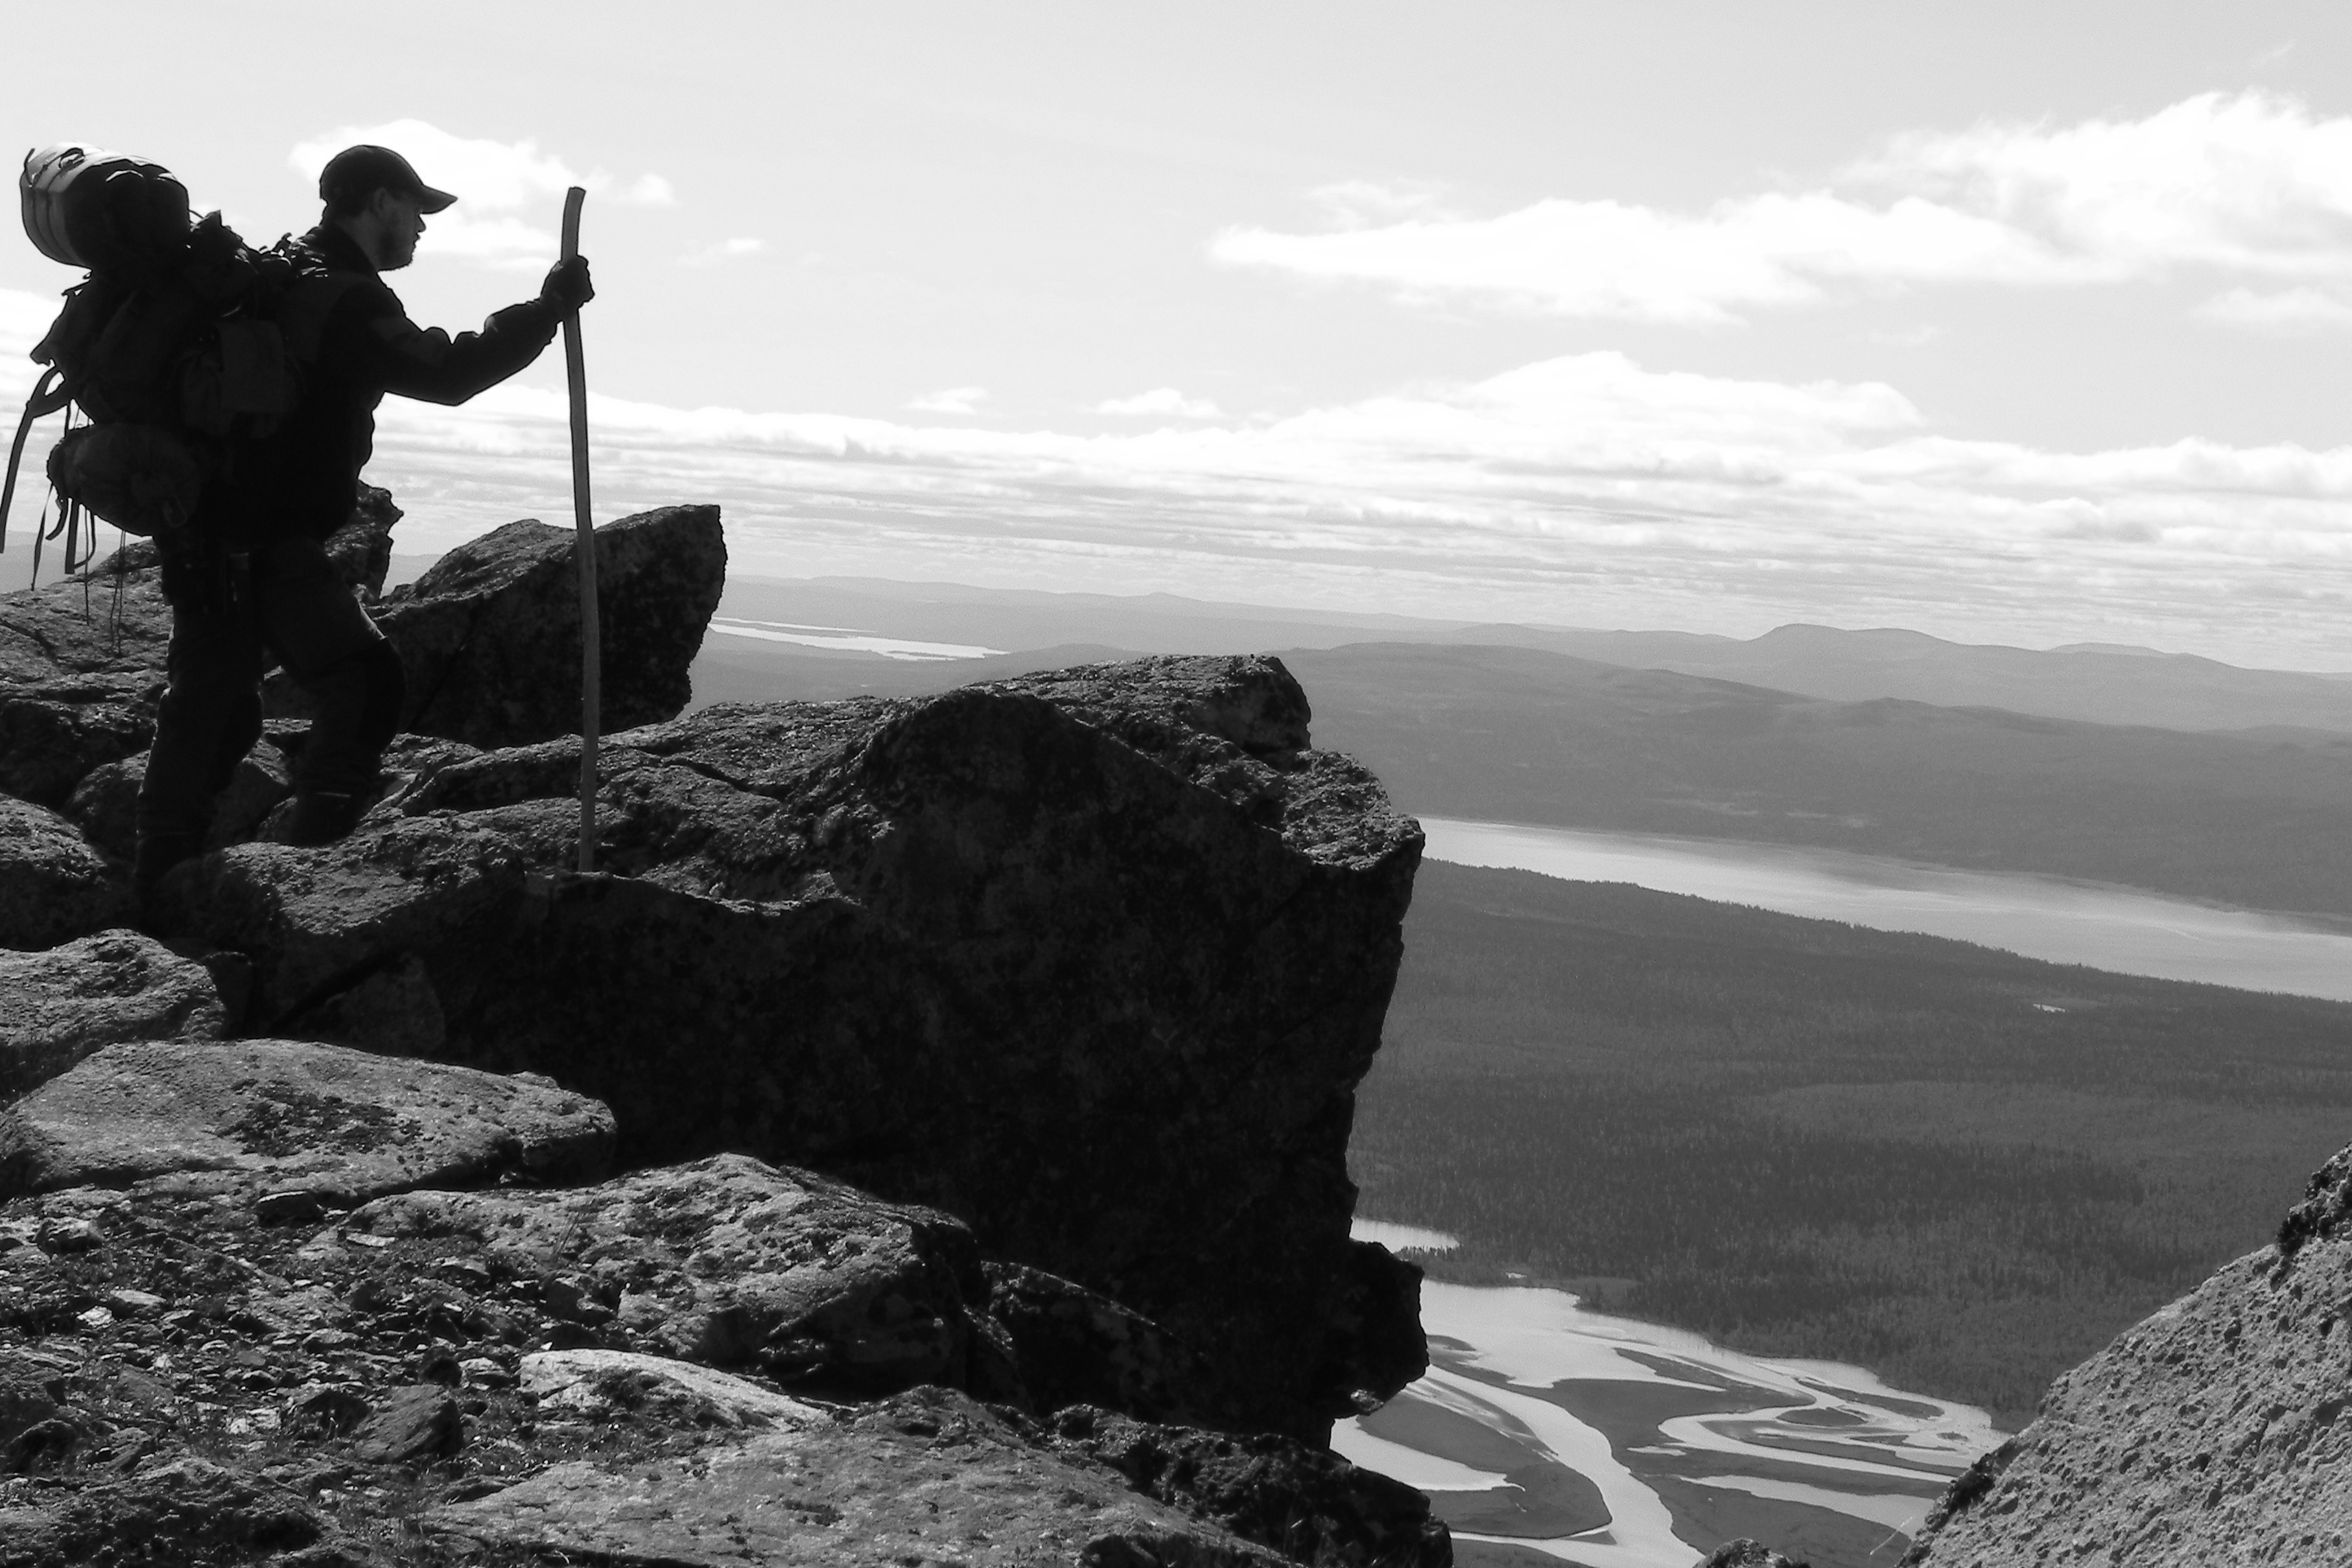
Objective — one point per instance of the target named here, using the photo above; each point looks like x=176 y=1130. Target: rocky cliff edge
x=922 y=1139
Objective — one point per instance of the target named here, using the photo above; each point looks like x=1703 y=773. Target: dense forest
x=1965 y=1169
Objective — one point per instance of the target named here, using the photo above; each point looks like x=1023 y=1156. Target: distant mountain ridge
x=2100 y=682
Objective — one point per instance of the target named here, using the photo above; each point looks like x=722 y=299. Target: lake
x=2107 y=927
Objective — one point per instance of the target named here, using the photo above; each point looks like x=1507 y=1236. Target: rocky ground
x=925 y=1144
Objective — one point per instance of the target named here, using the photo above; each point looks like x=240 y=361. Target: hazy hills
x=1527 y=734
x=1964 y=1168
x=1522 y=736
x=2100 y=684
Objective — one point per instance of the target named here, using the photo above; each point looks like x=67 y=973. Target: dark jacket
x=355 y=343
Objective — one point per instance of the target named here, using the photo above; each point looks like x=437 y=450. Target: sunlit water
x=2040 y=917
x=1524 y=1384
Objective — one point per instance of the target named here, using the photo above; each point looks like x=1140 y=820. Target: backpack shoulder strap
x=316 y=288
x=50 y=394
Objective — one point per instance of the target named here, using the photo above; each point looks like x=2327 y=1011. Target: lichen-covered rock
x=268 y=1117
x=927 y=1477
x=601 y=1384
x=491 y=635
x=59 y=1006
x=730 y=1262
x=53 y=886
x=2213 y=1434
x=1093 y=961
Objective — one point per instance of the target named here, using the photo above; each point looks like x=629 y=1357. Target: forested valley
x=1964 y=1169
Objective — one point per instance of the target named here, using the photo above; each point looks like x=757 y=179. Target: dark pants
x=285 y=599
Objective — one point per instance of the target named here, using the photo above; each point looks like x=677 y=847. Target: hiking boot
x=320 y=818
x=152 y=860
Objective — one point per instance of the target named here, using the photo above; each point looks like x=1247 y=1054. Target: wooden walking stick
x=592 y=669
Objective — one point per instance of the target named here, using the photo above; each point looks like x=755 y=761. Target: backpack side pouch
x=142 y=478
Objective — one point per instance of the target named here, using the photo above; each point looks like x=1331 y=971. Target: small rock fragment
x=69 y=1236
x=419 y=1422
x=325 y=1409
x=600 y=1382
x=289 y=1206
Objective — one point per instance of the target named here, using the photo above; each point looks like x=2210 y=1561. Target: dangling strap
x=50 y=394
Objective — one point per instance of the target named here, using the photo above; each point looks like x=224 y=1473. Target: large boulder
x=1092 y=961
x=491 y=635
x=53 y=886
x=54 y=730
x=2213 y=1433
x=308 y=1123
x=728 y=1262
x=60 y=1006
x=491 y=638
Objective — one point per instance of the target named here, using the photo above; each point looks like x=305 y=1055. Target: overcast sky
x=2006 y=322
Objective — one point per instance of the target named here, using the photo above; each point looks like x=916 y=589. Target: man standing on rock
x=264 y=584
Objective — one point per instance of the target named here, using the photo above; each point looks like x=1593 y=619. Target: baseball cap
x=366 y=167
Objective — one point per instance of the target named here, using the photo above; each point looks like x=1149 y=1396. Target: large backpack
x=168 y=347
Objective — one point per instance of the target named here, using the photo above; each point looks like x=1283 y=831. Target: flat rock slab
x=53 y=886
x=267 y=1116
x=729 y=1262
x=596 y=1384
x=928 y=1476
x=60 y=1006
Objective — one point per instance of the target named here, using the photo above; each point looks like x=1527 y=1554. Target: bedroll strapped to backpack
x=167 y=346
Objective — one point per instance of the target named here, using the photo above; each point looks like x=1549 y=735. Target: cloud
x=1359 y=203
x=954 y=400
x=1159 y=401
x=722 y=250
x=2291 y=310
x=1609 y=260
x=2252 y=184
x=493 y=182
x=1586 y=490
